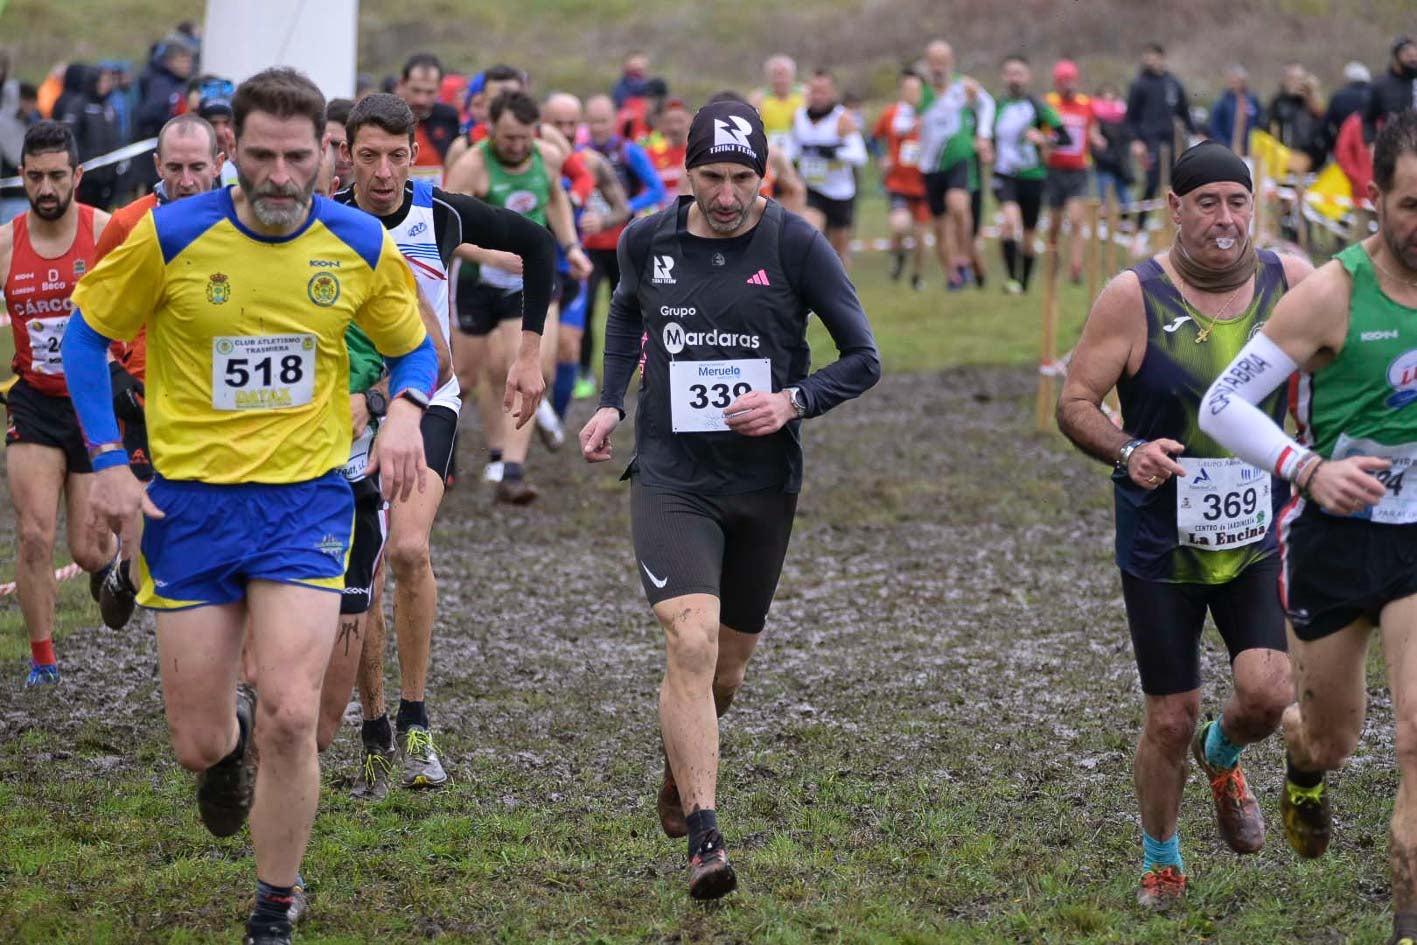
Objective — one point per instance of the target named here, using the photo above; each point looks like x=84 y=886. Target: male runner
x=827 y=147
x=1194 y=524
x=189 y=162
x=437 y=122
x=779 y=102
x=43 y=253
x=719 y=288
x=898 y=130
x=1023 y=128
x=214 y=105
x=1349 y=551
x=957 y=125
x=246 y=294
x=429 y=225
x=1069 y=161
x=666 y=148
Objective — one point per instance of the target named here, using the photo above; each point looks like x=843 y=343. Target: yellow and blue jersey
x=248 y=371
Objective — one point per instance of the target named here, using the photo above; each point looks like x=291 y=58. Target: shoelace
x=1231 y=782
x=1302 y=795
x=419 y=744
x=372 y=761
x=1165 y=879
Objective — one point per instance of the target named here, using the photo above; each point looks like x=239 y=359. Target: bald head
x=187 y=125
x=600 y=118
x=562 y=111
x=940 y=57
x=781 y=72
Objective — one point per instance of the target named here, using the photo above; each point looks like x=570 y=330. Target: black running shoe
x=276 y=933
x=897 y=265
x=117 y=597
x=96 y=579
x=711 y=876
x=226 y=789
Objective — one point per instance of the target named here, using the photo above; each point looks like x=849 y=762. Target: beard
x=55 y=210
x=718 y=226
x=275 y=216
x=1404 y=253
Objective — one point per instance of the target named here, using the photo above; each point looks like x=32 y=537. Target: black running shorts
x=371 y=529
x=1337 y=570
x=1026 y=192
x=839 y=213
x=1166 y=621
x=46 y=421
x=481 y=308
x=440 y=438
x=939 y=183
x=731 y=547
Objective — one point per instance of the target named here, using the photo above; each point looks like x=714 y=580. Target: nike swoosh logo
x=656 y=581
x=1176 y=324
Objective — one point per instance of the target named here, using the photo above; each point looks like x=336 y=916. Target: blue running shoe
x=46 y=675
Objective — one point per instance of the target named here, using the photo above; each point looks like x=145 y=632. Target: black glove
x=127 y=393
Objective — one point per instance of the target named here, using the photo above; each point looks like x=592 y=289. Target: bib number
x=1222 y=503
x=910 y=153
x=46 y=343
x=814 y=169
x=353 y=471
x=700 y=391
x=263 y=372
x=1398 y=506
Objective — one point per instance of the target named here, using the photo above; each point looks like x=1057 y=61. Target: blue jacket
x=1222 y=119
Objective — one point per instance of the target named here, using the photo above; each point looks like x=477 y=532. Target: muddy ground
x=938 y=723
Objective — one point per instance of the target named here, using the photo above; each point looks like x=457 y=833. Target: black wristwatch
x=415 y=396
x=378 y=403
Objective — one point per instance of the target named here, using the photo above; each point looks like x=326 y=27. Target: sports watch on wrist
x=798 y=404
x=378 y=403
x=416 y=397
x=1124 y=455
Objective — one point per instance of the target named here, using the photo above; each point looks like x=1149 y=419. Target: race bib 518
x=263 y=372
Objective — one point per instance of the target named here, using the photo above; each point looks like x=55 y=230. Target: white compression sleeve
x=1229 y=413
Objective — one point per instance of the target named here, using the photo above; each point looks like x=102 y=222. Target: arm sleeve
x=120 y=293
x=624 y=325
x=1230 y=414
x=85 y=354
x=506 y=230
x=985 y=109
x=389 y=316
x=643 y=168
x=853 y=150
x=825 y=288
x=417 y=370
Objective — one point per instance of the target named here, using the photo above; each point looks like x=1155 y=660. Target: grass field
x=933 y=745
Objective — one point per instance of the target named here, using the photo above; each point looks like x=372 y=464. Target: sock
x=411 y=713
x=1161 y=852
x=1220 y=751
x=1010 y=257
x=1027 y=268
x=42 y=652
x=1299 y=777
x=376 y=734
x=494 y=456
x=511 y=472
x=701 y=822
x=563 y=387
x=1404 y=924
x=272 y=905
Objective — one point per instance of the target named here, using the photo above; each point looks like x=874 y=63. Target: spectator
x=1224 y=118
x=1296 y=117
x=95 y=126
x=121 y=97
x=1111 y=163
x=12 y=137
x=50 y=89
x=161 y=85
x=1395 y=91
x=1155 y=102
x=1349 y=100
x=71 y=99
x=634 y=80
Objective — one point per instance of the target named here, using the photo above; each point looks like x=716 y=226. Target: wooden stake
x=1114 y=230
x=1094 y=248
x=1048 y=353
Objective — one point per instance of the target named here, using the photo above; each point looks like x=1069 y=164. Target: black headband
x=727 y=132
x=1209 y=162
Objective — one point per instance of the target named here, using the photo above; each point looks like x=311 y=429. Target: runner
x=43 y=253
x=515 y=170
x=957 y=124
x=898 y=129
x=438 y=124
x=1069 y=161
x=1349 y=536
x=340 y=168
x=429 y=225
x=189 y=162
x=827 y=146
x=780 y=101
x=495 y=81
x=713 y=491
x=1194 y=524
x=1023 y=128
x=248 y=514
x=666 y=148
x=214 y=104
x=644 y=192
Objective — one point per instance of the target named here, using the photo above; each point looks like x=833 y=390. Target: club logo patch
x=218 y=288
x=323 y=289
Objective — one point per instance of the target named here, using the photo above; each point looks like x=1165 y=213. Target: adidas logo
x=759 y=278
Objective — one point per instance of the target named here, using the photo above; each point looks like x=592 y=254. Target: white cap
x=1357 y=72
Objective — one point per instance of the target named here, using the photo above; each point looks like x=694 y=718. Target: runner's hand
x=1346 y=486
x=1151 y=464
x=580 y=264
x=116 y=496
x=595 y=435
x=397 y=455
x=591 y=223
x=524 y=378
x=758 y=413
x=359 y=413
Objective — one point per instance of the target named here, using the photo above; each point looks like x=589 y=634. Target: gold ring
x=1153 y=479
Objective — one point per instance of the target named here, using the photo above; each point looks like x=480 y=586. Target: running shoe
x=493 y=472
x=372 y=784
x=1307 y=821
x=275 y=934
x=1399 y=939
x=299 y=902
x=96 y=579
x=42 y=675
x=1161 y=888
x=585 y=387
x=671 y=808
x=117 y=597
x=226 y=789
x=1237 y=813
x=711 y=876
x=548 y=426
x=897 y=265
x=917 y=283
x=516 y=492
x=421 y=768
x=1013 y=287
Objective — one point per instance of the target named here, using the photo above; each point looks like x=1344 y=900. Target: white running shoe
x=493 y=472
x=548 y=426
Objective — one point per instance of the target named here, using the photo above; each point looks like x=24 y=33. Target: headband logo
x=734 y=135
